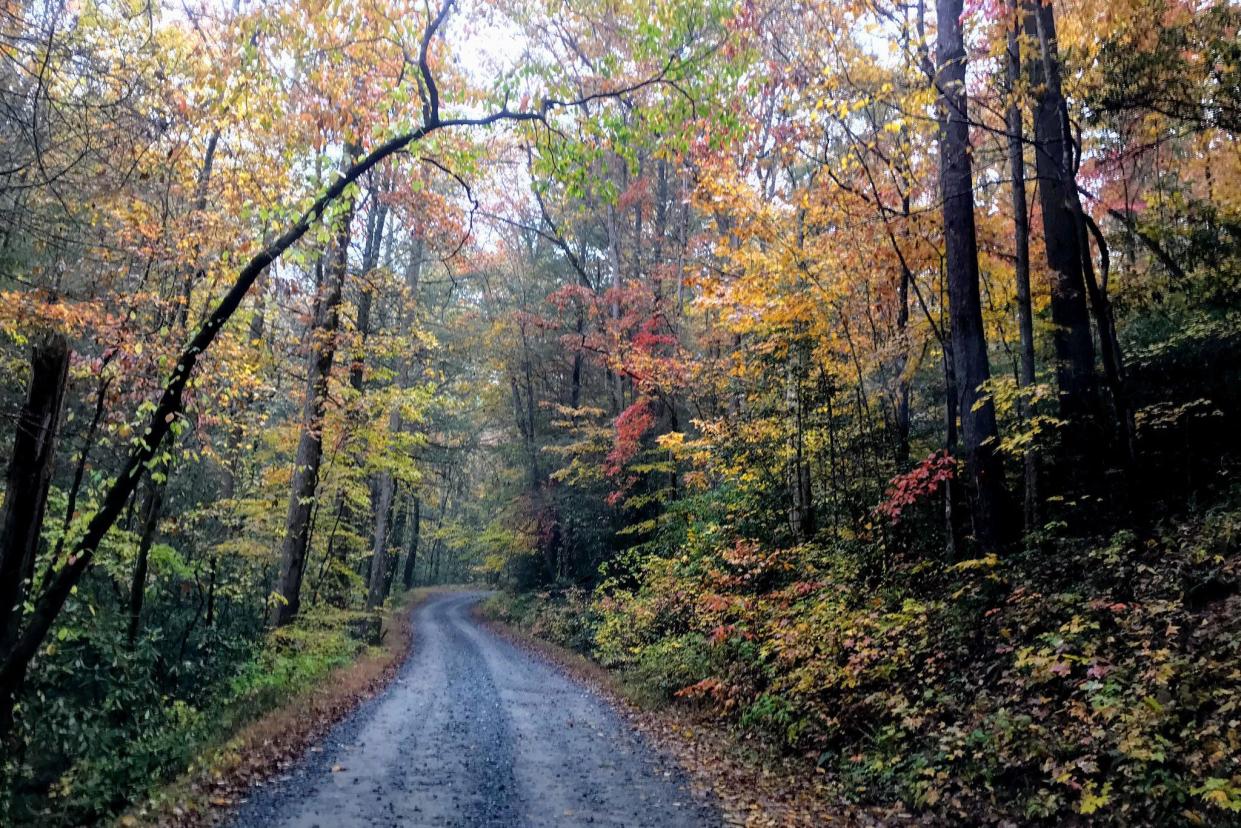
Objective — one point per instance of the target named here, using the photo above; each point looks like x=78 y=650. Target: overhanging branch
x=15 y=661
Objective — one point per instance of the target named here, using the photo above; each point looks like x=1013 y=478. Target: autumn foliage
x=862 y=376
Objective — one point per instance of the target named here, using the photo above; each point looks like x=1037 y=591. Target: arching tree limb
x=16 y=657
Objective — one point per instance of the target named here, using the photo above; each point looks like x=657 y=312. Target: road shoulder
x=746 y=781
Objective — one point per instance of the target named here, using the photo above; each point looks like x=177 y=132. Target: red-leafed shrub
x=918 y=484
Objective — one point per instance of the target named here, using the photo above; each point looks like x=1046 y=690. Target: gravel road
x=477 y=732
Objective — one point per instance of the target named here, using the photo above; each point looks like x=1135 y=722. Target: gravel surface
x=477 y=732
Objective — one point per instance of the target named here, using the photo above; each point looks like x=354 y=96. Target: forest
x=860 y=376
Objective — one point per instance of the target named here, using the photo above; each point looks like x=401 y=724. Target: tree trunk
x=192 y=271
x=25 y=501
x=969 y=345
x=396 y=537
x=433 y=565
x=575 y=383
x=952 y=515
x=1109 y=342
x=1021 y=232
x=1055 y=166
x=357 y=373
x=29 y=475
x=370 y=259
x=322 y=340
x=79 y=469
x=381 y=565
x=801 y=504
x=137 y=588
x=155 y=494
x=211 y=581
x=903 y=381
x=615 y=380
x=411 y=558
x=385 y=489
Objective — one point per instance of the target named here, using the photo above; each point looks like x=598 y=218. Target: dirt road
x=476 y=732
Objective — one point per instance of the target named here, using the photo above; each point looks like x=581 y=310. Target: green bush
x=672 y=664
x=565 y=617
x=105 y=731
x=295 y=657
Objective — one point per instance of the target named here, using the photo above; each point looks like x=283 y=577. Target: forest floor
x=476 y=731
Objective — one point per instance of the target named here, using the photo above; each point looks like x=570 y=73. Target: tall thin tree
x=1021 y=235
x=322 y=347
x=979 y=435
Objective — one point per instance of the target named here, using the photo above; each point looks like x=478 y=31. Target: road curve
x=476 y=732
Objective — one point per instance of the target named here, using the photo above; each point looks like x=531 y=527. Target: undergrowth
x=133 y=738
x=1071 y=679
